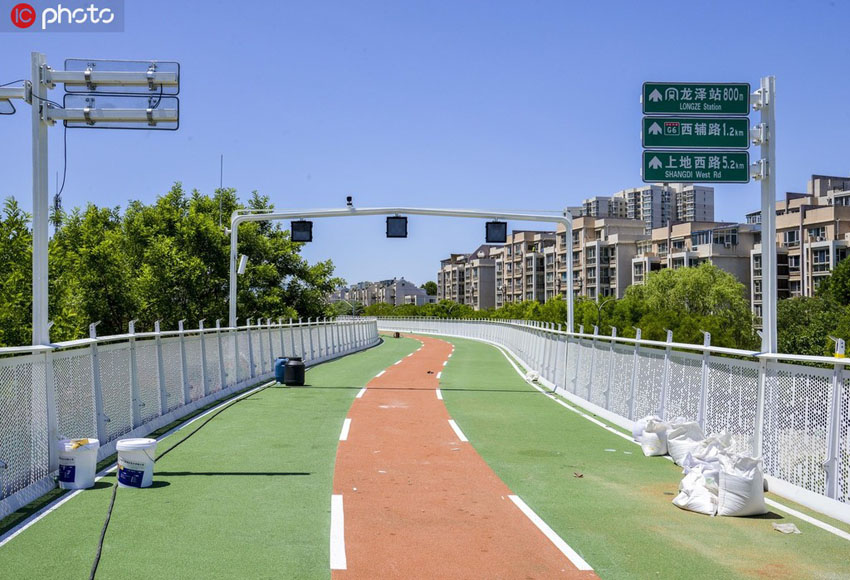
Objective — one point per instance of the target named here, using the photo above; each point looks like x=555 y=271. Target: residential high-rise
x=689 y=244
x=519 y=266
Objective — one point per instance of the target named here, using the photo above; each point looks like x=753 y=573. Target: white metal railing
x=129 y=385
x=794 y=415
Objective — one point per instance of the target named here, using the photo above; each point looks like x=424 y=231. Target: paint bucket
x=135 y=462
x=77 y=463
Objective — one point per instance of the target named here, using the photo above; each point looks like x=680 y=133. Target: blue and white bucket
x=77 y=463
x=135 y=462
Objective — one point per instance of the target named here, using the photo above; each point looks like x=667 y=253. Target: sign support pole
x=767 y=95
x=40 y=331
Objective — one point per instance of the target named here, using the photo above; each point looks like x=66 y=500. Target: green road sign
x=696 y=98
x=696 y=166
x=696 y=132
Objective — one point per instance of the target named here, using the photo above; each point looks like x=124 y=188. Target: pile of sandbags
x=716 y=480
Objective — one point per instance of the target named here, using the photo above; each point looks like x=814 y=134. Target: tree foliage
x=165 y=261
x=430 y=288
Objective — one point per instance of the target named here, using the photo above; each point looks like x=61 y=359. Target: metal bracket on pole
x=89 y=84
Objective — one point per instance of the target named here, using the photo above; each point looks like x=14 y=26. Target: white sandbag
x=683 y=438
x=696 y=496
x=653 y=441
x=741 y=490
x=532 y=376
x=640 y=425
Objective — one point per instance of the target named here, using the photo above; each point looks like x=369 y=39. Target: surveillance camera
x=348 y=200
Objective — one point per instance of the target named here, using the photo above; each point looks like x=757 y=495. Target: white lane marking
x=439 y=394
x=807 y=518
x=445 y=363
x=439 y=374
x=338 y=561
x=380 y=373
x=361 y=393
x=565 y=549
x=410 y=355
x=770 y=502
x=450 y=355
x=51 y=507
x=346 y=426
x=457 y=430
x=396 y=363
x=567 y=405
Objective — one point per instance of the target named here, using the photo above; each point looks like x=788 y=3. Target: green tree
x=430 y=288
x=688 y=301
x=15 y=276
x=804 y=325
x=836 y=287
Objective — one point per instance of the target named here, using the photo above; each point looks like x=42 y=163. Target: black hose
x=161 y=455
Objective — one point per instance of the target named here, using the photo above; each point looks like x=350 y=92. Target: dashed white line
x=338 y=561
x=439 y=394
x=457 y=430
x=361 y=393
x=380 y=373
x=397 y=362
x=346 y=426
x=450 y=355
x=565 y=549
x=445 y=363
x=439 y=374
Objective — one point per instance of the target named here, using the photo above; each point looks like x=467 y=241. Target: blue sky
x=502 y=105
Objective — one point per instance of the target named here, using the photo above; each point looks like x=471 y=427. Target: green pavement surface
x=618 y=514
x=247 y=497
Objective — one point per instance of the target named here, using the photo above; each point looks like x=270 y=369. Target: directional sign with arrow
x=696 y=132
x=696 y=98
x=696 y=166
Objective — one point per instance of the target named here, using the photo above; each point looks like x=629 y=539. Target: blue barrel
x=279 y=367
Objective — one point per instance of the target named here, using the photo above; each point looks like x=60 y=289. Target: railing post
x=833 y=450
x=338 y=342
x=160 y=363
x=301 y=335
x=102 y=419
x=635 y=368
x=251 y=373
x=235 y=332
x=222 y=374
x=202 y=337
x=328 y=342
x=592 y=364
x=52 y=411
x=578 y=358
x=135 y=395
x=292 y=338
x=262 y=347
x=703 y=390
x=662 y=404
x=184 y=368
x=610 y=368
x=271 y=348
x=310 y=337
x=282 y=341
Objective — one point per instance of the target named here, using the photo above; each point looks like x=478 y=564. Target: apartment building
x=394 y=291
x=479 y=290
x=726 y=245
x=519 y=266
x=656 y=204
x=451 y=277
x=812 y=237
x=469 y=278
x=598 y=261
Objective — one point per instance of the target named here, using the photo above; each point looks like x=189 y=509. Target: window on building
x=791 y=237
x=818 y=233
x=820 y=260
x=794 y=287
x=678 y=245
x=794 y=263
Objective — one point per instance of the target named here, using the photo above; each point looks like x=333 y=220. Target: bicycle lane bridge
x=412 y=498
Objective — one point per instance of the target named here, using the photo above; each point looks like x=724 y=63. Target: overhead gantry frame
x=241 y=216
